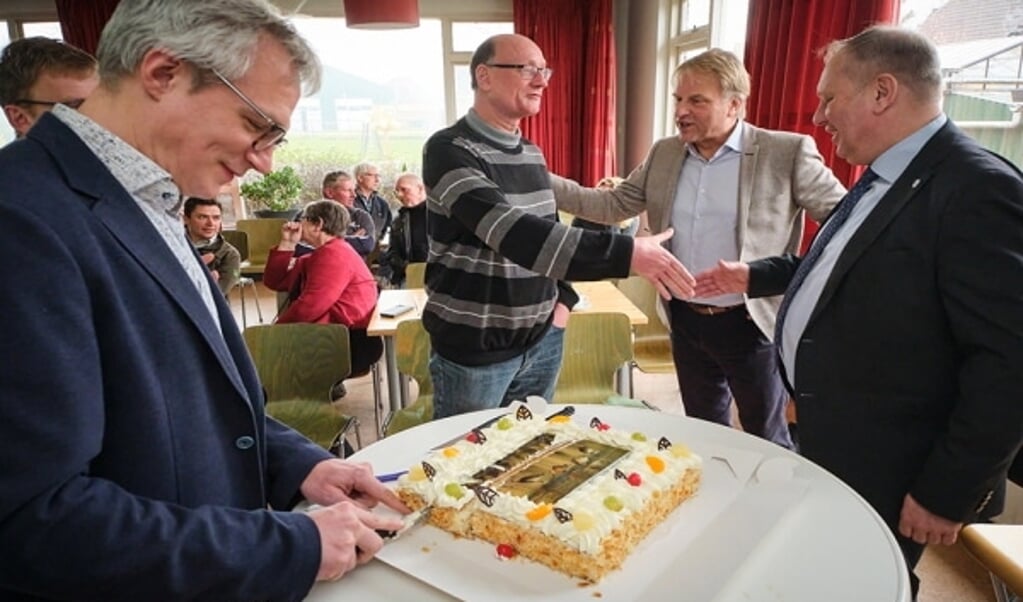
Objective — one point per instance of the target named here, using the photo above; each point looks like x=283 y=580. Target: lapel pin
x=916 y=183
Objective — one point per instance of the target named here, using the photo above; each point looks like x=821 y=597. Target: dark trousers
x=721 y=356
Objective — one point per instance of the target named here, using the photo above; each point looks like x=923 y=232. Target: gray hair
x=904 y=53
x=333 y=218
x=210 y=34
x=363 y=167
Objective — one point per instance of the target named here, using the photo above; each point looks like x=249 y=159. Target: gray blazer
x=782 y=174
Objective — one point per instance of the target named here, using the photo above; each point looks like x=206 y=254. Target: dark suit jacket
x=137 y=461
x=909 y=374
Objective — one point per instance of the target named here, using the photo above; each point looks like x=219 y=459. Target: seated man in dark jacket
x=408 y=242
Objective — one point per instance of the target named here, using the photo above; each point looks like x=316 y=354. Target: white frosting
x=457 y=464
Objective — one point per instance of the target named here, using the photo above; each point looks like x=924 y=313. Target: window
x=383 y=93
x=692 y=27
x=981 y=55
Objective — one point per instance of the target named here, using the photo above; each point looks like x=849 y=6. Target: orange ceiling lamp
x=382 y=14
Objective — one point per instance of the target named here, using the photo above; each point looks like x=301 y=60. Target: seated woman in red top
x=331 y=285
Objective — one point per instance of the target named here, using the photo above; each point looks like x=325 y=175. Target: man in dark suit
x=138 y=461
x=903 y=339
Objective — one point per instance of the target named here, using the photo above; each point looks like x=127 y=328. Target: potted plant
x=275 y=194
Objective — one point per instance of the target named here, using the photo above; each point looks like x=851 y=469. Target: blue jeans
x=458 y=388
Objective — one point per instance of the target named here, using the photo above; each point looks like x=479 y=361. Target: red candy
x=634 y=479
x=505 y=550
x=471 y=437
x=603 y=426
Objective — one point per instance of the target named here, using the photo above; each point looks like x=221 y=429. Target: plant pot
x=288 y=214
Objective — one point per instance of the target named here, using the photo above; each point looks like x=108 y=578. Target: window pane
x=463 y=90
x=695 y=13
x=465 y=37
x=49 y=29
x=377 y=102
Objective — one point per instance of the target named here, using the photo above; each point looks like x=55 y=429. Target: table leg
x=394 y=398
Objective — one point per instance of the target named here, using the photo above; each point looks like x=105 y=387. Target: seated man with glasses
x=367 y=178
x=37 y=73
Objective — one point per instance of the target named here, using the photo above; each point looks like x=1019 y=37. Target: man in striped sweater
x=498 y=256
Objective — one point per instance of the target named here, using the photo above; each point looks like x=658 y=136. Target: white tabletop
x=820 y=542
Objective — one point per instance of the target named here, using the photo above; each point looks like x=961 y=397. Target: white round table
x=780 y=528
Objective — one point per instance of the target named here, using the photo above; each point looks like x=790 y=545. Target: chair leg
x=255 y=296
x=241 y=293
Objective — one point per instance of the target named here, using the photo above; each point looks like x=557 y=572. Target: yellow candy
x=679 y=450
x=416 y=473
x=656 y=464
x=559 y=419
x=450 y=452
x=583 y=521
x=539 y=512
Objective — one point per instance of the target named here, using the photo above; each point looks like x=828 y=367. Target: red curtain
x=576 y=126
x=782 y=41
x=81 y=21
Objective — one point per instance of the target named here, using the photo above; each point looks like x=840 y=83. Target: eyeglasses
x=526 y=72
x=274 y=133
x=74 y=103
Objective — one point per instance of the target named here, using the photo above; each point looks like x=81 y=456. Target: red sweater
x=337 y=287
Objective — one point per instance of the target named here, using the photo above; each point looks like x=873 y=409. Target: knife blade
x=410 y=520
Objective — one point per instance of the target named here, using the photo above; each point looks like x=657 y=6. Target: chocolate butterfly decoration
x=663 y=444
x=619 y=474
x=480 y=437
x=485 y=494
x=523 y=413
x=562 y=515
x=429 y=470
x=595 y=422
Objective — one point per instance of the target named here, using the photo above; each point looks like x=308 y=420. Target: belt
x=711 y=310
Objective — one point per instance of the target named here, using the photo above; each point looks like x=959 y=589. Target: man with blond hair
x=730 y=190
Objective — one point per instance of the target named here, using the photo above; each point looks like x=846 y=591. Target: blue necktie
x=834 y=222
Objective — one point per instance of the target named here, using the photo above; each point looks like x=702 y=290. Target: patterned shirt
x=152 y=188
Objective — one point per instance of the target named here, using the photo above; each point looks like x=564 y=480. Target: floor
x=948 y=574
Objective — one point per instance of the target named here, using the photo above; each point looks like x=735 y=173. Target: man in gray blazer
x=730 y=190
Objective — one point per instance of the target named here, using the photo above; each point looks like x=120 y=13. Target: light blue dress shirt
x=889 y=166
x=705 y=211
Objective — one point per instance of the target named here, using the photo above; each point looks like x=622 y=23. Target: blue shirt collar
x=891 y=163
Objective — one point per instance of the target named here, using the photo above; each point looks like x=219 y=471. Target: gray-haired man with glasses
x=498 y=256
x=139 y=462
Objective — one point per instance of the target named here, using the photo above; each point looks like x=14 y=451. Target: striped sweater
x=496 y=247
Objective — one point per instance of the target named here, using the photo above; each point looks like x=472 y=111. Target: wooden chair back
x=239 y=240
x=412 y=347
x=596 y=345
x=415 y=275
x=651 y=344
x=263 y=234
x=297 y=364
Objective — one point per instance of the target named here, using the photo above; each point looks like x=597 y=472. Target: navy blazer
x=910 y=370
x=138 y=463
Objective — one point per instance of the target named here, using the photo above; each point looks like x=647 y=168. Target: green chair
x=412 y=346
x=415 y=275
x=651 y=343
x=240 y=241
x=596 y=345
x=263 y=234
x=297 y=364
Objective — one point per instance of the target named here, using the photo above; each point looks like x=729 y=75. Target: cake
x=575 y=498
